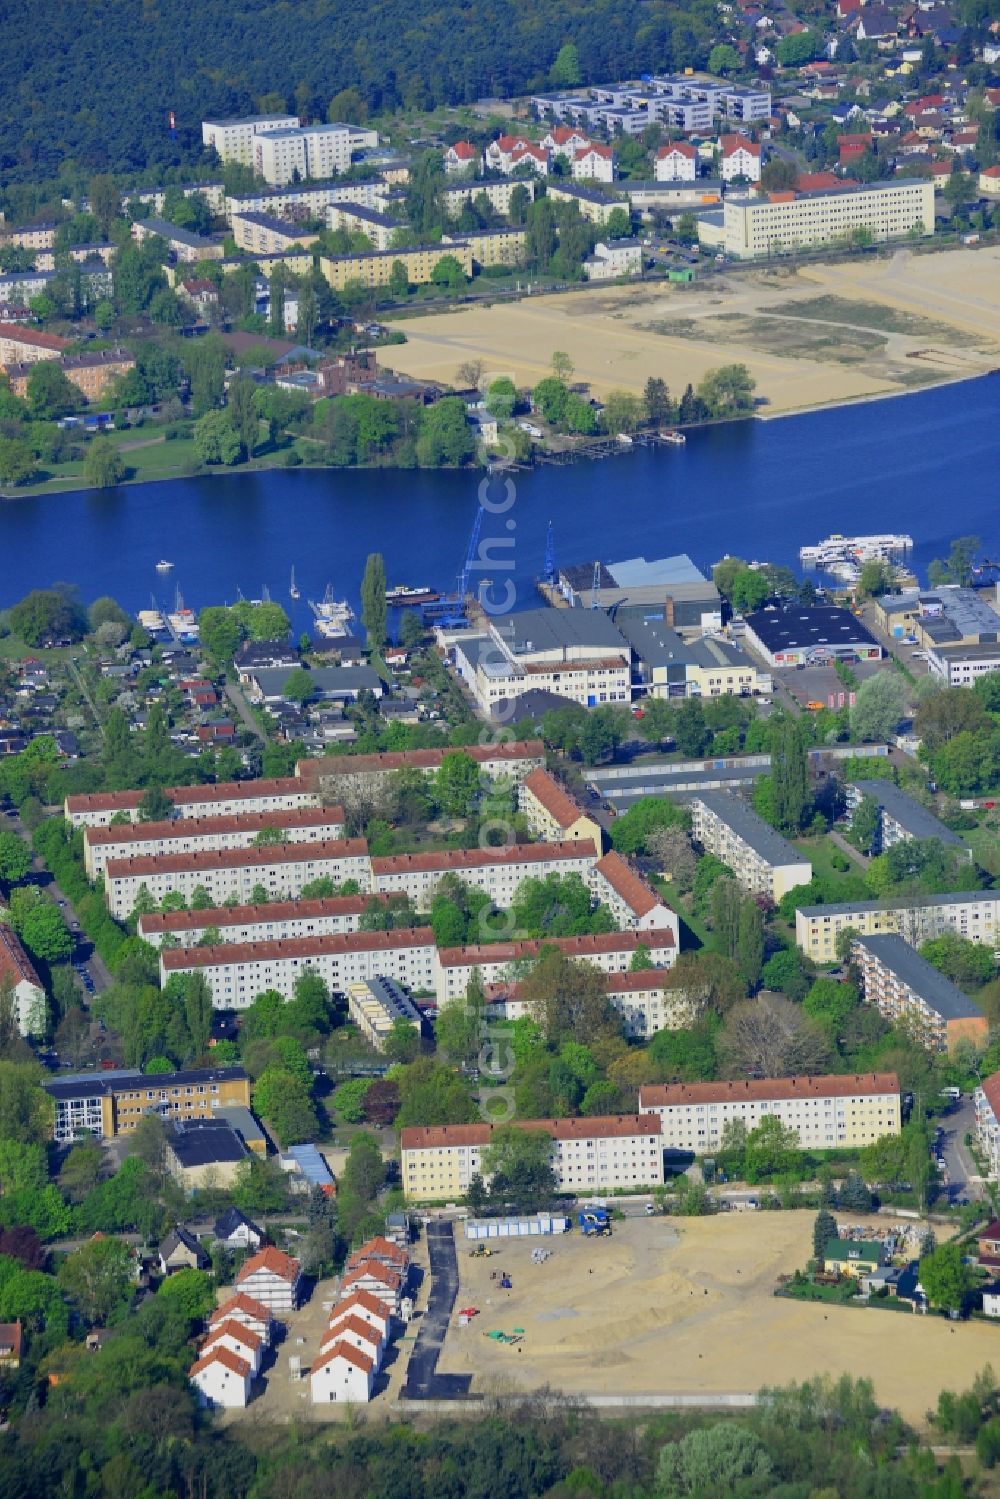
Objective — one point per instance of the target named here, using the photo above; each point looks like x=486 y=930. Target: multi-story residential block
x=575 y=653
x=826 y=1112
x=359 y=219
x=28 y=345
x=596 y=207
x=588 y=1155
x=497 y=871
x=310 y=152
x=497 y=194
x=336 y=776
x=565 y=141
x=740 y=158
x=974 y=914
x=109 y=1104
x=183 y=243
x=553 y=815
x=593 y=163
x=779 y=223
x=278 y=919
x=633 y=903
x=261 y=234
x=900 y=817
x=677 y=162
x=305 y=200
x=154 y=198
x=508 y=152
x=280 y=869
x=81 y=255
x=645 y=999
x=987 y=1100
x=375 y=268
x=909 y=992
x=237 y=972
x=17 y=973
x=31 y=236
x=220 y=799
x=90 y=373
x=763 y=862
x=502 y=245
x=376 y=1005
x=613 y=952
x=613 y=258
x=185 y=835
x=234 y=140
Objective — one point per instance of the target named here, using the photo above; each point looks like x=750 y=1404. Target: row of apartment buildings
x=625 y=1152
x=763 y=862
x=911 y=993
x=281 y=150
x=687 y=102
x=974 y=914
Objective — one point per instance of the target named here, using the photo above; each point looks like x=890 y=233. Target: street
x=962 y=1180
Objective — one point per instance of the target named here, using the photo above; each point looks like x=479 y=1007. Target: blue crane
x=470 y=555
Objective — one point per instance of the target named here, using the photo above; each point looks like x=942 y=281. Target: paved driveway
x=957 y=1123
x=422 y=1380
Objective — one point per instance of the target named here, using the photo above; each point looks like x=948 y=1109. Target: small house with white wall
x=393 y=1256
x=371 y=1308
x=343 y=1374
x=379 y=1280
x=740 y=158
x=239 y=1340
x=273 y=1278
x=222 y=1379
x=250 y=1313
x=358 y=1333
x=237 y=1231
x=677 y=162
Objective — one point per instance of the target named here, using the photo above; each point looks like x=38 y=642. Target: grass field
x=854 y=312
x=688 y=1306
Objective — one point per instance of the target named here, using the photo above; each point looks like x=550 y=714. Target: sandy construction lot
x=821 y=335
x=686 y=1306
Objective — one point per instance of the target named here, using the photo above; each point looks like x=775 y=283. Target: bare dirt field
x=686 y=1306
x=820 y=335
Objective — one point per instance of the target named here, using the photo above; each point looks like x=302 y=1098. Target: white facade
x=239 y=1339
x=236 y=974
x=193 y=834
x=356 y=1332
x=325 y=916
x=676 y=163
x=614 y=258
x=271 y=1278
x=224 y=799
x=281 y=870
x=974 y=914
x=634 y=905
x=783 y=222
x=16 y=970
x=611 y=952
x=987 y=1101
x=342 y=1374
x=594 y=164
x=498 y=871
x=223 y=1380
x=824 y=1112
x=762 y=861
x=740 y=158
x=234 y=139
x=316 y=151
x=252 y=1314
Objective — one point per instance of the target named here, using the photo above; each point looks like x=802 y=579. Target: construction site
x=686 y=1307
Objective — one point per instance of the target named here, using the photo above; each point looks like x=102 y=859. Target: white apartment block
x=234 y=139
x=263 y=234
x=223 y=799
x=763 y=862
x=740 y=158
x=340 y=774
x=497 y=194
x=187 y=835
x=575 y=653
x=497 y=871
x=376 y=1005
x=988 y=1122
x=588 y=1155
x=594 y=164
x=315 y=152
x=974 y=914
x=677 y=162
x=613 y=258
x=909 y=992
x=783 y=222
x=641 y=997
x=281 y=869
x=237 y=972
x=612 y=952
x=271 y=1277
x=900 y=816
x=325 y=916
x=553 y=815
x=634 y=905
x=18 y=973
x=305 y=200
x=357 y=218
x=825 y=1112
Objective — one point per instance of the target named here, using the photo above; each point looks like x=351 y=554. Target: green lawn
x=821 y=853
x=985 y=844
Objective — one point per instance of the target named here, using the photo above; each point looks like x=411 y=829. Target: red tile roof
x=606 y=153
x=368 y=1301
x=482 y=858
x=206 y=827
x=373 y=1270
x=275 y=911
x=464 y=150
x=224 y=1356
x=34 y=337
x=630 y=886
x=671 y=1095
x=677 y=148
x=15 y=965
x=180 y=958
x=508 y=143
x=732 y=143
x=237 y=858
x=634 y=980
x=603 y=1127
x=12 y=1337
x=573 y=947
x=563 y=133
x=991 y=1088
x=248 y=1305
x=557 y=802
x=420 y=759
x=230 y=1328
x=272 y=1260
x=346 y=1351
x=341 y=1323
x=184 y=796
x=379 y=1248
x=818 y=182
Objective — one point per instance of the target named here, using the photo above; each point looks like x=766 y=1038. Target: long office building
x=237 y=972
x=974 y=914
x=279 y=869
x=278 y=919
x=497 y=871
x=900 y=816
x=825 y=1112
x=763 y=862
x=588 y=1155
x=222 y=799
x=187 y=835
x=910 y=993
x=334 y=775
x=109 y=1104
x=612 y=952
x=784 y=222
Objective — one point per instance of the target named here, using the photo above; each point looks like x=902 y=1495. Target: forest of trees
x=67 y=110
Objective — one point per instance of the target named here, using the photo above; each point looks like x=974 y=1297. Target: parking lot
x=816 y=684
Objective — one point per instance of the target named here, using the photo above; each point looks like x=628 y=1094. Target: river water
x=925 y=463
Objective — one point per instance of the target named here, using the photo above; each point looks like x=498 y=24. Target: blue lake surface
x=924 y=463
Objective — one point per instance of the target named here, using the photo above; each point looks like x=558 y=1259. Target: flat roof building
x=204 y=1152
x=908 y=991
x=233 y=140
x=901 y=817
x=108 y=1104
x=671 y=589
x=827 y=1113
x=376 y=1005
x=784 y=637
x=667 y=666
x=973 y=914
x=762 y=861
x=785 y=222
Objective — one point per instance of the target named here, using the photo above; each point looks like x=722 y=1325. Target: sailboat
x=294 y=591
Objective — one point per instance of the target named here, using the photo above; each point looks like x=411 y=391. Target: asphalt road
x=83 y=954
x=961 y=1168
x=422 y=1380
